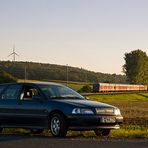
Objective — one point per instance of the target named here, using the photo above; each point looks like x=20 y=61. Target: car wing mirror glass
x=87 y=98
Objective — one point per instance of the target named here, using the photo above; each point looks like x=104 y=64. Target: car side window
x=11 y=92
x=29 y=93
x=2 y=88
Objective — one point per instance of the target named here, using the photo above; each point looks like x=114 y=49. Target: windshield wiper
x=74 y=97
x=59 y=97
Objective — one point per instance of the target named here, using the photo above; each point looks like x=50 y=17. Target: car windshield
x=59 y=92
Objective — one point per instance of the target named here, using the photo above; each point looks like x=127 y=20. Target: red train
x=109 y=87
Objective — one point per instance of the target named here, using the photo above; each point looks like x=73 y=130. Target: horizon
x=89 y=34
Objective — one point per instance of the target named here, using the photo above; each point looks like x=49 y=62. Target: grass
x=130 y=131
x=120 y=97
x=74 y=85
x=126 y=131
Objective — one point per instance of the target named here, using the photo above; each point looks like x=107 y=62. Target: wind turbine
x=13 y=53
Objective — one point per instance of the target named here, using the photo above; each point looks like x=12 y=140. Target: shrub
x=86 y=89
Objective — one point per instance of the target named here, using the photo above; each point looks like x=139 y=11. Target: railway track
x=113 y=93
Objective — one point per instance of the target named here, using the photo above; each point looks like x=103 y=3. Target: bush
x=86 y=89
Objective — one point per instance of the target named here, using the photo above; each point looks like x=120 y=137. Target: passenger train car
x=109 y=87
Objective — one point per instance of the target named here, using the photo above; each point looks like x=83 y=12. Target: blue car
x=39 y=106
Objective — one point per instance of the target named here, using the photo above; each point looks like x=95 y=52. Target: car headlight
x=117 y=111
x=82 y=111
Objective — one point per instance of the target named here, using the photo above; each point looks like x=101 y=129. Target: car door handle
x=19 y=103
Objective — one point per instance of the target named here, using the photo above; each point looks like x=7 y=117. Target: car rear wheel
x=36 y=131
x=102 y=132
x=58 y=125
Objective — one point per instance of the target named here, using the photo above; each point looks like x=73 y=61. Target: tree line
x=47 y=72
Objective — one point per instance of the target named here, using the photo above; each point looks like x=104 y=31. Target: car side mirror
x=87 y=98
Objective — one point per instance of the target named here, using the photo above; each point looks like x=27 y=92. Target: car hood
x=84 y=103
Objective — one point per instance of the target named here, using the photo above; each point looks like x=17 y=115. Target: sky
x=89 y=34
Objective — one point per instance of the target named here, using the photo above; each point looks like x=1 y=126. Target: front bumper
x=82 y=122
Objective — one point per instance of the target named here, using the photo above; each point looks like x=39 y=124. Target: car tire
x=36 y=131
x=1 y=129
x=58 y=126
x=102 y=132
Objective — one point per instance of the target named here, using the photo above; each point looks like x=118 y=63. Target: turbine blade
x=16 y=53
x=10 y=54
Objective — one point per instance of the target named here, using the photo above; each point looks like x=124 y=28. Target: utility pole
x=67 y=74
x=25 y=75
x=86 y=77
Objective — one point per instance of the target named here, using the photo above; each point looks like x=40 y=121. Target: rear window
x=2 y=88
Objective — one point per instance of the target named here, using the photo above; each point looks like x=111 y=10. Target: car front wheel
x=58 y=125
x=102 y=132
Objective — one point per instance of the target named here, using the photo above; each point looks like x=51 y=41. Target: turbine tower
x=13 y=53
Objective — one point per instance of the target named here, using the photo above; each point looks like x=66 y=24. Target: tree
x=136 y=67
x=6 y=78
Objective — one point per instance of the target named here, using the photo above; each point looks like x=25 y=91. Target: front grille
x=105 y=110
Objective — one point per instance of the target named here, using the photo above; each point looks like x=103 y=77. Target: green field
x=74 y=85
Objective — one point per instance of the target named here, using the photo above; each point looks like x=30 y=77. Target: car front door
x=32 y=107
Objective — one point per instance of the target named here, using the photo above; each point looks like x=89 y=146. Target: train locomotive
x=111 y=87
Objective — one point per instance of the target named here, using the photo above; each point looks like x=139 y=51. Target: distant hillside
x=41 y=71
x=6 y=77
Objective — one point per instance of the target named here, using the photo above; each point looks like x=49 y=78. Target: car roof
x=36 y=83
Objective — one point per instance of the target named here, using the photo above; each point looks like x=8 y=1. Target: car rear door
x=8 y=105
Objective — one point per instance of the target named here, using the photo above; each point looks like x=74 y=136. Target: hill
x=6 y=77
x=43 y=71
